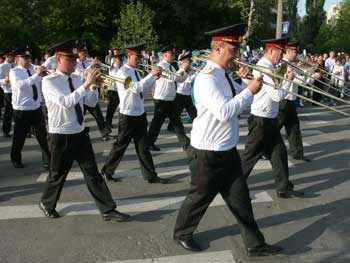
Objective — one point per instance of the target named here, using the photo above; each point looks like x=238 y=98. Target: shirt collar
x=64 y=75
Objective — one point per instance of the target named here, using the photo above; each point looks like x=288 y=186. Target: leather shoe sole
x=190 y=245
x=48 y=213
x=18 y=165
x=290 y=194
x=116 y=215
x=264 y=250
x=158 y=180
x=154 y=148
x=302 y=158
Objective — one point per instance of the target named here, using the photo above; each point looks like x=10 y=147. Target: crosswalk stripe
x=162 y=171
x=132 y=205
x=224 y=256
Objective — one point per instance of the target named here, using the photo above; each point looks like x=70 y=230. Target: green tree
x=310 y=26
x=342 y=28
x=135 y=26
x=326 y=38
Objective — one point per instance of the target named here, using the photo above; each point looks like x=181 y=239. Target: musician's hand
x=185 y=65
x=290 y=75
x=40 y=70
x=91 y=77
x=156 y=72
x=7 y=79
x=255 y=84
x=243 y=72
x=317 y=75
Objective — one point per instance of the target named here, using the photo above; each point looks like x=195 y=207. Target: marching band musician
x=264 y=135
x=65 y=94
x=287 y=115
x=83 y=65
x=183 y=98
x=164 y=96
x=132 y=118
x=5 y=68
x=214 y=159
x=112 y=91
x=26 y=102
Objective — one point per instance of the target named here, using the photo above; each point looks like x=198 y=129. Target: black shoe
x=188 y=244
x=158 y=180
x=7 y=135
x=115 y=215
x=108 y=176
x=48 y=213
x=107 y=137
x=106 y=131
x=264 y=157
x=18 y=164
x=154 y=148
x=302 y=158
x=263 y=250
x=46 y=166
x=289 y=194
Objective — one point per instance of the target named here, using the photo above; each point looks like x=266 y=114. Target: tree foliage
x=135 y=26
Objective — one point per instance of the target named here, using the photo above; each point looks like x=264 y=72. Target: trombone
x=307 y=72
x=327 y=73
x=276 y=76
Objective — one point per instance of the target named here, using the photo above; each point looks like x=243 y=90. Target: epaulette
x=51 y=75
x=207 y=69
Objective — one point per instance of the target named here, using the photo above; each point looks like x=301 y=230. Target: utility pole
x=279 y=19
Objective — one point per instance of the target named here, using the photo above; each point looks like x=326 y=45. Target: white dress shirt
x=60 y=102
x=113 y=72
x=81 y=70
x=185 y=87
x=4 y=71
x=50 y=63
x=22 y=91
x=266 y=101
x=216 y=127
x=131 y=101
x=165 y=88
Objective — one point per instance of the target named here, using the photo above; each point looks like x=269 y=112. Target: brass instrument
x=308 y=71
x=108 y=80
x=44 y=73
x=326 y=73
x=276 y=75
x=177 y=75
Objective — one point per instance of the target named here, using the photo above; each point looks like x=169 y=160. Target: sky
x=327 y=4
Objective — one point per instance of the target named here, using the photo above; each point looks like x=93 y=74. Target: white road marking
x=133 y=205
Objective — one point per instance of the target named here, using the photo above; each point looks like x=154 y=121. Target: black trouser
x=113 y=102
x=66 y=148
x=7 y=122
x=162 y=110
x=132 y=127
x=1 y=100
x=23 y=121
x=264 y=137
x=184 y=102
x=97 y=114
x=212 y=173
x=288 y=117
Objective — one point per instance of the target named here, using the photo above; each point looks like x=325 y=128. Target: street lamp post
x=279 y=19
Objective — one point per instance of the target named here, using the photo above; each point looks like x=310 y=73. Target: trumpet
x=277 y=76
x=170 y=73
x=44 y=73
x=109 y=80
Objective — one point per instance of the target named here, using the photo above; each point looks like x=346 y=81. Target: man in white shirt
x=264 y=136
x=164 y=96
x=26 y=102
x=132 y=117
x=288 y=115
x=65 y=94
x=214 y=159
x=83 y=65
x=112 y=91
x=5 y=85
